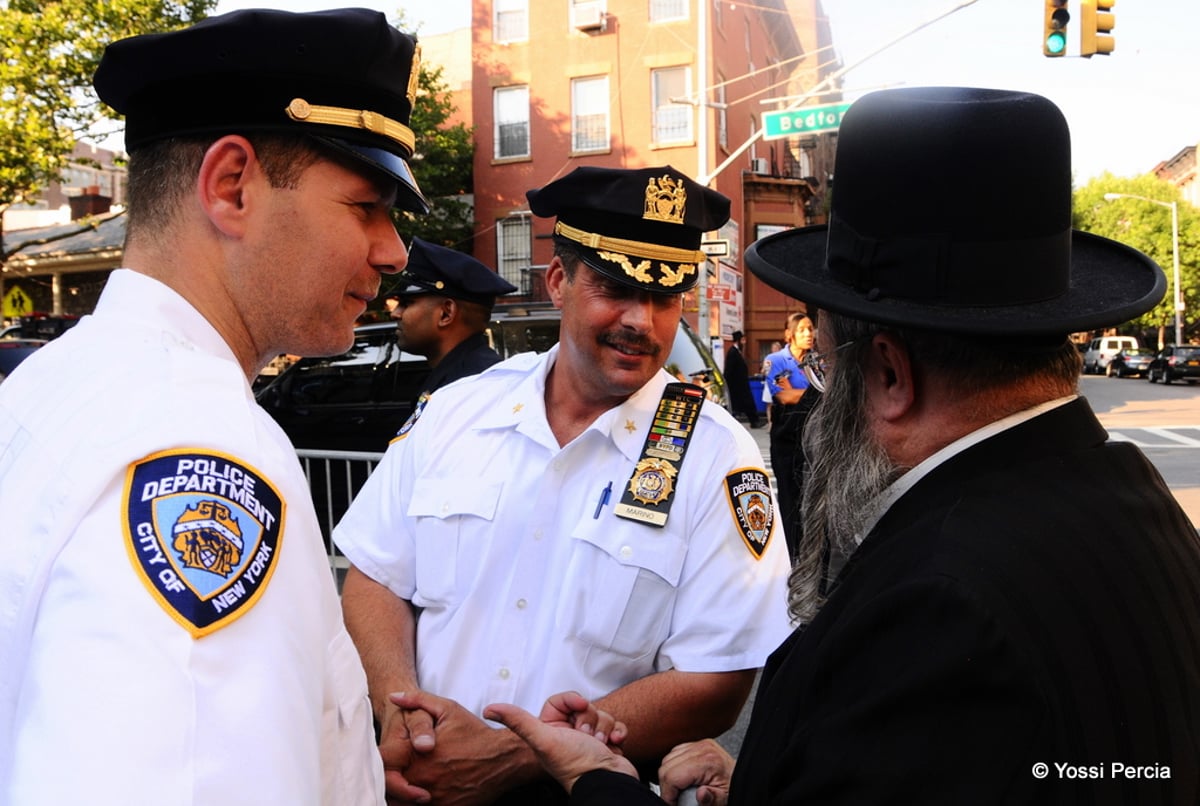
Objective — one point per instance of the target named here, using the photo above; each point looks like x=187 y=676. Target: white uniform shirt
x=141 y=416
x=477 y=516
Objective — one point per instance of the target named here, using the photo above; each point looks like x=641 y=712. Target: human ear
x=556 y=276
x=888 y=374
x=223 y=183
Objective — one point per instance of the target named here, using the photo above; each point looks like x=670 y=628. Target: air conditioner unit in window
x=588 y=16
x=758 y=165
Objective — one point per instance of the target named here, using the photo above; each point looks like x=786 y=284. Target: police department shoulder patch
x=749 y=493
x=412 y=418
x=203 y=531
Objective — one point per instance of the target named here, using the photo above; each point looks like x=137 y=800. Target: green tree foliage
x=442 y=165
x=1147 y=228
x=48 y=53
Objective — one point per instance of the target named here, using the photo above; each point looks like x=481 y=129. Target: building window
x=511 y=23
x=512 y=122
x=589 y=114
x=667 y=10
x=672 y=120
x=514 y=250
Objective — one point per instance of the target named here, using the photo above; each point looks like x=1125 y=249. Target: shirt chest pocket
x=453 y=517
x=620 y=587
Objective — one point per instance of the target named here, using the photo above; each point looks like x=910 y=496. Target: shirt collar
x=626 y=425
x=910 y=478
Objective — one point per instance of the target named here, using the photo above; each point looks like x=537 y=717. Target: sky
x=1127 y=111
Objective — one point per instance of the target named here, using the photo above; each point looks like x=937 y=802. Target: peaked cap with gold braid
x=641 y=227
x=345 y=76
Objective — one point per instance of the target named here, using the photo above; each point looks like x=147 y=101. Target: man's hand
x=565 y=749
x=403 y=734
x=467 y=761
x=704 y=765
x=572 y=710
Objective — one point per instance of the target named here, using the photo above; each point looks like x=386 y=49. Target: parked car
x=1129 y=361
x=1177 y=362
x=359 y=400
x=1101 y=350
x=14 y=351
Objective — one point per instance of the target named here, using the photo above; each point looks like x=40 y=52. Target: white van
x=1101 y=350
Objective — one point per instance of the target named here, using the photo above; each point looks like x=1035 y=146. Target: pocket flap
x=445 y=498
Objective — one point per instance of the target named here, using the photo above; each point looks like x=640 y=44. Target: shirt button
x=445 y=507
x=537 y=534
x=504 y=673
x=626 y=552
x=521 y=604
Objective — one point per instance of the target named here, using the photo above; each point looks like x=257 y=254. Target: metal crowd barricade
x=334 y=478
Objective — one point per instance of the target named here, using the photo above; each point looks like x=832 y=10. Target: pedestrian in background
x=444 y=303
x=792 y=398
x=737 y=379
x=169 y=628
x=971 y=633
x=574 y=519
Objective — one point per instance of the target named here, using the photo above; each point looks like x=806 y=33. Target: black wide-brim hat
x=951 y=211
x=346 y=77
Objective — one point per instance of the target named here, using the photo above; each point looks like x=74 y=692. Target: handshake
x=572 y=737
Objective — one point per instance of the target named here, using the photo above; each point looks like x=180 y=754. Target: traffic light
x=1054 y=32
x=1095 y=25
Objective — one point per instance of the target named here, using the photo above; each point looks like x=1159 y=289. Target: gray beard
x=847 y=472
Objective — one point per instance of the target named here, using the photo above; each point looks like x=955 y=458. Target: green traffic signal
x=1054 y=28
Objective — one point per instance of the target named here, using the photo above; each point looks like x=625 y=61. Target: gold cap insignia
x=413 y=75
x=665 y=200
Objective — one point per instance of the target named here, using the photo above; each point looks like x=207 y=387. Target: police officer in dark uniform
x=445 y=302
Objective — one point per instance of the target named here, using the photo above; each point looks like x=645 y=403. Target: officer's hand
x=399 y=732
x=471 y=762
x=564 y=752
x=704 y=765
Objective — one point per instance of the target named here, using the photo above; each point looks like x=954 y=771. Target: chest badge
x=203 y=532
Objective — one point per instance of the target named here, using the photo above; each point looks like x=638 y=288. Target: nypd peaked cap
x=346 y=77
x=434 y=269
x=641 y=227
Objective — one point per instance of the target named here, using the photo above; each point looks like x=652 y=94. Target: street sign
x=718 y=248
x=806 y=120
x=720 y=291
x=16 y=303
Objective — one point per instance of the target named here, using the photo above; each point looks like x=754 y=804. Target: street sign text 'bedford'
x=806 y=120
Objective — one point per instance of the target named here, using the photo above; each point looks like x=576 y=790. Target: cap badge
x=665 y=200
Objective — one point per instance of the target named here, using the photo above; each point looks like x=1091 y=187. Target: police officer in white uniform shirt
x=169 y=628
x=574 y=520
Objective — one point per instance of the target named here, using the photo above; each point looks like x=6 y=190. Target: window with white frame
x=589 y=114
x=514 y=250
x=511 y=112
x=667 y=10
x=511 y=20
x=672 y=120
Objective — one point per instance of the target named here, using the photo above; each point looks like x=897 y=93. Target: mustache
x=630 y=342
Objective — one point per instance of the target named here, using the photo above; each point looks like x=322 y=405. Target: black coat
x=737 y=381
x=1034 y=600
x=469 y=357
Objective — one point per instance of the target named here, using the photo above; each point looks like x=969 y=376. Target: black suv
x=357 y=401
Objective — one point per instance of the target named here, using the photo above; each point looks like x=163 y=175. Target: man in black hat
x=571 y=520
x=971 y=633
x=170 y=630
x=737 y=378
x=444 y=303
